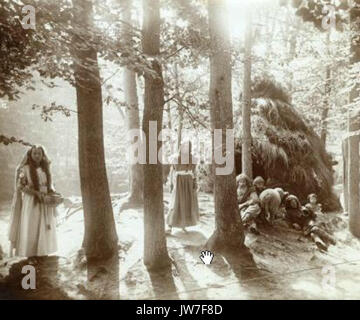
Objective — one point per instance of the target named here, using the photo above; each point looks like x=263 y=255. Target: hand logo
x=206 y=256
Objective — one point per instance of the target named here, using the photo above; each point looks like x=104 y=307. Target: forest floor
x=281 y=264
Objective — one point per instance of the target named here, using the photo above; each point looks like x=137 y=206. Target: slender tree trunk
x=345 y=154
x=180 y=109
x=100 y=240
x=168 y=172
x=354 y=125
x=155 y=250
x=168 y=111
x=353 y=174
x=136 y=184
x=325 y=110
x=246 y=108
x=228 y=232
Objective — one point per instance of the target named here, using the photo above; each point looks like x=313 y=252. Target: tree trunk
x=345 y=154
x=325 y=110
x=354 y=125
x=246 y=108
x=100 y=239
x=155 y=250
x=136 y=189
x=353 y=180
x=229 y=233
x=180 y=109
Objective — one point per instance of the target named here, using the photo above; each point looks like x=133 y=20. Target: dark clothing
x=184 y=208
x=294 y=213
x=305 y=218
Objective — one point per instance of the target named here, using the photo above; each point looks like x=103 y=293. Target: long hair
x=243 y=193
x=244 y=177
x=44 y=164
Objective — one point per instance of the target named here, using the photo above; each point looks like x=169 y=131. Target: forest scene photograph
x=179 y=150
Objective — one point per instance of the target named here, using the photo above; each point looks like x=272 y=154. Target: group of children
x=260 y=204
x=256 y=203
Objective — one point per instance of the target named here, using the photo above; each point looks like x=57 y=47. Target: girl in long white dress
x=32 y=230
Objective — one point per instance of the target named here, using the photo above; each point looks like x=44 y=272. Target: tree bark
x=246 y=108
x=354 y=125
x=325 y=110
x=136 y=183
x=155 y=250
x=179 y=107
x=229 y=233
x=353 y=180
x=345 y=154
x=100 y=239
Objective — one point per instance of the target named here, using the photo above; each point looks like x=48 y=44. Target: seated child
x=304 y=218
x=321 y=238
x=294 y=212
x=259 y=185
x=270 y=199
x=248 y=202
x=312 y=202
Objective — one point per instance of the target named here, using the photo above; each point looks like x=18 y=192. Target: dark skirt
x=184 y=208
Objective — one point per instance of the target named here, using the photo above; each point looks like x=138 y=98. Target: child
x=248 y=200
x=270 y=200
x=259 y=185
x=321 y=238
x=304 y=218
x=312 y=202
x=294 y=213
x=32 y=230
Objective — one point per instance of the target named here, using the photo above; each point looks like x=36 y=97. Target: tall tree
x=135 y=198
x=354 y=125
x=345 y=157
x=179 y=106
x=325 y=110
x=228 y=226
x=246 y=107
x=100 y=239
x=155 y=250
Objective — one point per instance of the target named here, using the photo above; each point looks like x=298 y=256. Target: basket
x=53 y=199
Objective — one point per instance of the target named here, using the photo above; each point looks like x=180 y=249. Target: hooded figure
x=32 y=230
x=249 y=204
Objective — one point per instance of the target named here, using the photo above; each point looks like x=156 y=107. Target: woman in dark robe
x=184 y=209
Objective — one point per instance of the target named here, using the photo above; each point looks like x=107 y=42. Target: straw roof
x=286 y=150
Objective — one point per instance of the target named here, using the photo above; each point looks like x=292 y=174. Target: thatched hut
x=286 y=150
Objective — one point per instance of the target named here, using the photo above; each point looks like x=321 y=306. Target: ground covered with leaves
x=280 y=264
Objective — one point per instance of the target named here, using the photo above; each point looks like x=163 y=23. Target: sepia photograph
x=194 y=152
